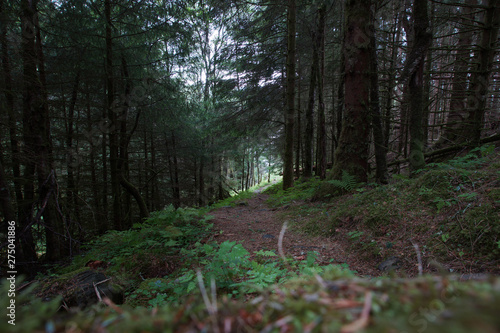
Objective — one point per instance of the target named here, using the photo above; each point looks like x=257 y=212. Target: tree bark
x=174 y=172
x=113 y=122
x=290 y=97
x=9 y=105
x=415 y=69
x=125 y=137
x=480 y=75
x=5 y=199
x=309 y=134
x=38 y=150
x=378 y=134
x=321 y=128
x=458 y=110
x=352 y=152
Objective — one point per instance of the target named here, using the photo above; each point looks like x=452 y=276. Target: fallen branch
x=444 y=151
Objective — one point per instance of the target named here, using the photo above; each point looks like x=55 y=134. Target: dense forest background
x=112 y=109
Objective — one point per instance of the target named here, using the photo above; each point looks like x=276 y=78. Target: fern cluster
x=347 y=183
x=232 y=270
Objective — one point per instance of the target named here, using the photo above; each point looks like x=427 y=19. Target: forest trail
x=257 y=227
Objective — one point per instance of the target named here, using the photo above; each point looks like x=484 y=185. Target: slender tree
x=378 y=133
x=290 y=97
x=321 y=141
x=414 y=70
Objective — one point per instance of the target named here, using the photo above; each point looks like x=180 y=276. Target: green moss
x=494 y=194
x=325 y=304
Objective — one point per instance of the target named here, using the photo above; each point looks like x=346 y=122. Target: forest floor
x=444 y=222
x=257 y=226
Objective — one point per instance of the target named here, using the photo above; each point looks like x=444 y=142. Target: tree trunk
x=38 y=152
x=480 y=75
x=99 y=227
x=174 y=172
x=125 y=137
x=458 y=110
x=9 y=105
x=5 y=199
x=309 y=135
x=391 y=81
x=415 y=72
x=378 y=134
x=352 y=153
x=71 y=154
x=113 y=123
x=321 y=145
x=290 y=97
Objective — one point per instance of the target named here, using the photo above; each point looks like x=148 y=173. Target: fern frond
x=347 y=183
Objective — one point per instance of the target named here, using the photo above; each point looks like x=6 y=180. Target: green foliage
x=353 y=235
x=229 y=266
x=474 y=231
x=131 y=251
x=326 y=303
x=234 y=200
x=347 y=183
x=304 y=189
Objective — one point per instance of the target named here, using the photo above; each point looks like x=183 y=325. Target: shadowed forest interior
x=113 y=110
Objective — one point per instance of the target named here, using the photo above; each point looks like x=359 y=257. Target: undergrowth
x=454 y=205
x=229 y=267
x=302 y=190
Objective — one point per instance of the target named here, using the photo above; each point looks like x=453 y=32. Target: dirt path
x=257 y=227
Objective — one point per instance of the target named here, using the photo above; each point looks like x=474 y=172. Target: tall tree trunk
x=9 y=105
x=341 y=87
x=378 y=134
x=321 y=127
x=290 y=97
x=458 y=110
x=391 y=81
x=201 y=181
x=125 y=137
x=309 y=134
x=415 y=72
x=26 y=240
x=298 y=143
x=5 y=199
x=99 y=227
x=174 y=172
x=71 y=162
x=104 y=225
x=36 y=128
x=353 y=150
x=113 y=122
x=478 y=90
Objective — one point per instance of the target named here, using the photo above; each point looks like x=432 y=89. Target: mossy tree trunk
x=352 y=152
